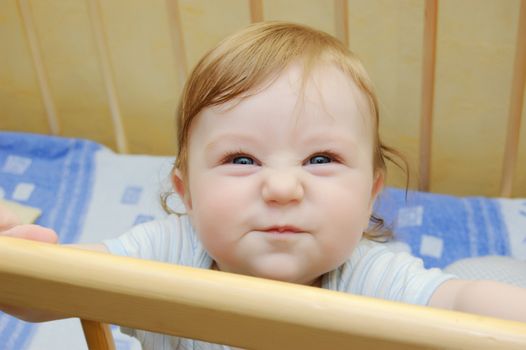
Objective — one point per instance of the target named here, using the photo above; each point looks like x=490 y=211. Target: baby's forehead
x=324 y=97
x=331 y=84
x=324 y=84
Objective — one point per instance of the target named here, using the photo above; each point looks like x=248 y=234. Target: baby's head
x=245 y=61
x=279 y=159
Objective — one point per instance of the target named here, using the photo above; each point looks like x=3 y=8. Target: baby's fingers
x=32 y=232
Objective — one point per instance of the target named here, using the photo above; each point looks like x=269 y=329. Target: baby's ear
x=378 y=185
x=181 y=188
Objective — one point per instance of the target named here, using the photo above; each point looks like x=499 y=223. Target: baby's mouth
x=287 y=229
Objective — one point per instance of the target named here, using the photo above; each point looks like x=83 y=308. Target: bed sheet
x=88 y=193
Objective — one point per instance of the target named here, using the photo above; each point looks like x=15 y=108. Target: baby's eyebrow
x=230 y=138
x=331 y=139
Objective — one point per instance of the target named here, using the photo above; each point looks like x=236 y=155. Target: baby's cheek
x=213 y=213
x=207 y=196
x=347 y=215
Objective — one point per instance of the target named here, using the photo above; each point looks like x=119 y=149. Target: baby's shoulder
x=367 y=247
x=380 y=255
x=376 y=270
x=161 y=239
x=179 y=224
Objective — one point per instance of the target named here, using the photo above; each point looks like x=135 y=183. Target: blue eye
x=243 y=160
x=320 y=159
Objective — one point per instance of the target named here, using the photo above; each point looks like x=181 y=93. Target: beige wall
x=475 y=51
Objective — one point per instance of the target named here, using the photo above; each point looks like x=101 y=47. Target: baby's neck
x=317 y=282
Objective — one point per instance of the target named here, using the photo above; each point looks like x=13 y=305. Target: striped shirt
x=372 y=270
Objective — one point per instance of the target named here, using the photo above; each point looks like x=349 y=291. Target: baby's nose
x=282 y=187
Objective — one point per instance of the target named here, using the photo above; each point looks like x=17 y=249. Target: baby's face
x=281 y=184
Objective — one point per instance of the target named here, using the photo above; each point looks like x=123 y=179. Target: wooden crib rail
x=232 y=309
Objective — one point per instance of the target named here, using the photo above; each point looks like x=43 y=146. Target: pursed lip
x=282 y=229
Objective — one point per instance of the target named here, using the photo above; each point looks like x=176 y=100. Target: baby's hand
x=31 y=232
x=10 y=225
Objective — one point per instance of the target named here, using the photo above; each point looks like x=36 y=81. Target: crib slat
x=98 y=335
x=176 y=32
x=107 y=75
x=515 y=109
x=256 y=11
x=231 y=309
x=341 y=10
x=428 y=93
x=40 y=70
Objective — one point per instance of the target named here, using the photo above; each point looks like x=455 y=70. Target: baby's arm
x=41 y=234
x=487 y=298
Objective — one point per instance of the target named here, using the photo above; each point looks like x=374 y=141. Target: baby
x=279 y=164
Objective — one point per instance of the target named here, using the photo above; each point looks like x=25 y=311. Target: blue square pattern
x=441 y=229
x=54 y=174
x=131 y=195
x=16 y=165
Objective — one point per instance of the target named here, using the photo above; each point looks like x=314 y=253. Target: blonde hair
x=255 y=56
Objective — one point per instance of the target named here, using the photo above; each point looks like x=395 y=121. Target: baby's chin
x=285 y=269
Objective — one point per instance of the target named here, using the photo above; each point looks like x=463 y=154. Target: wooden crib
x=242 y=311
